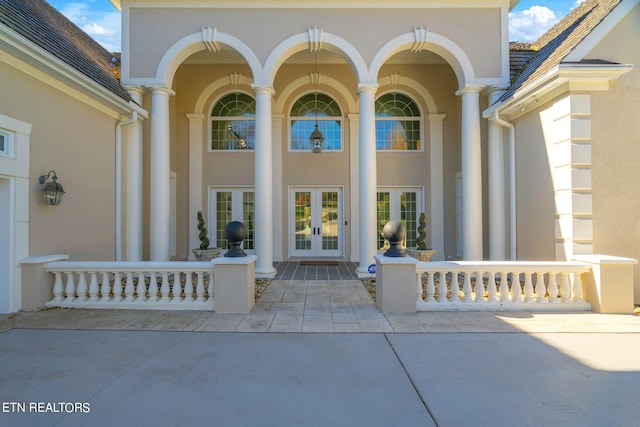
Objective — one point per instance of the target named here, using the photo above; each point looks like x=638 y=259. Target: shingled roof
x=554 y=45
x=43 y=25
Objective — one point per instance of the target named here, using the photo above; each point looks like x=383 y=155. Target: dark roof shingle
x=554 y=45
x=43 y=25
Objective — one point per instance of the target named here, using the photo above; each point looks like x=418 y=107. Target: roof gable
x=554 y=45
x=43 y=25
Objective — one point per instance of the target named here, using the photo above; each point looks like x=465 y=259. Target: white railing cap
x=43 y=259
x=605 y=259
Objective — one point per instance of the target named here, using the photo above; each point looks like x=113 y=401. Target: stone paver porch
x=320 y=306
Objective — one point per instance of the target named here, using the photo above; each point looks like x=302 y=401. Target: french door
x=231 y=204
x=315 y=218
x=399 y=204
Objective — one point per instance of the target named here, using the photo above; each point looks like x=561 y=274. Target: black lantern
x=316 y=138
x=52 y=191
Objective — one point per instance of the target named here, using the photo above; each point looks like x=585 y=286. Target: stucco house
x=525 y=153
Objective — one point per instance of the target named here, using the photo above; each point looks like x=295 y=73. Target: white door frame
x=316 y=201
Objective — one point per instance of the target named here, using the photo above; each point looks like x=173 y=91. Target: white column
x=264 y=181
x=195 y=177
x=354 y=183
x=471 y=174
x=436 y=155
x=134 y=184
x=277 y=141
x=160 y=172
x=367 y=176
x=497 y=206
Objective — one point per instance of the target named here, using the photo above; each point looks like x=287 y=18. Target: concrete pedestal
x=396 y=284
x=234 y=285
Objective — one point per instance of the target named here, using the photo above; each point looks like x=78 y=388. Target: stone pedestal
x=609 y=289
x=234 y=287
x=396 y=284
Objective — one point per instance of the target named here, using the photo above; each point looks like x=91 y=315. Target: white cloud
x=103 y=27
x=531 y=23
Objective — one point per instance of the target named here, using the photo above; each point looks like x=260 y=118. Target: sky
x=99 y=19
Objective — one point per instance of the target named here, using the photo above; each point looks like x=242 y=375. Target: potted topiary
x=204 y=253
x=420 y=252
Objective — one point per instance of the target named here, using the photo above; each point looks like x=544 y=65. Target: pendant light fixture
x=316 y=138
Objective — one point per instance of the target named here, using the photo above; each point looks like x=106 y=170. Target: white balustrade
x=134 y=285
x=461 y=285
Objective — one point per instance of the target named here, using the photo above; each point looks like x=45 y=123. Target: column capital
x=436 y=117
x=135 y=89
x=194 y=116
x=467 y=89
x=494 y=92
x=259 y=88
x=161 y=89
x=367 y=87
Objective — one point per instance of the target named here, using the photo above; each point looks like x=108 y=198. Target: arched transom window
x=303 y=121
x=397 y=123
x=233 y=122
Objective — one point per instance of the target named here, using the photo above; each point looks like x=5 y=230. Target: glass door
x=316 y=222
x=231 y=204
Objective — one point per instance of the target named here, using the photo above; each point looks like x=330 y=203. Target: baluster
x=504 y=287
x=541 y=290
x=188 y=287
x=153 y=287
x=82 y=287
x=577 y=287
x=141 y=288
x=70 y=288
x=105 y=288
x=210 y=287
x=442 y=287
x=93 y=286
x=129 y=288
x=58 y=289
x=419 y=287
x=528 y=287
x=553 y=288
x=177 y=288
x=455 y=287
x=516 y=290
x=164 y=288
x=479 y=287
x=466 y=288
x=117 y=287
x=565 y=287
x=431 y=288
x=492 y=290
x=200 y=287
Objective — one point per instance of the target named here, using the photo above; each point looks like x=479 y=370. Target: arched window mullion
x=398 y=123
x=233 y=122
x=303 y=115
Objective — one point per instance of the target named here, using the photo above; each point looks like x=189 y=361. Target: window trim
x=212 y=118
x=340 y=120
x=420 y=120
x=8 y=143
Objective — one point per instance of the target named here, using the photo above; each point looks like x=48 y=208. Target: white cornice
x=30 y=58
x=562 y=78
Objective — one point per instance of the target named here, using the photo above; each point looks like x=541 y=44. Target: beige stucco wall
x=77 y=141
x=153 y=30
x=616 y=148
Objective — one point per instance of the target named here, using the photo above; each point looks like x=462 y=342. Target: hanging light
x=316 y=138
x=52 y=191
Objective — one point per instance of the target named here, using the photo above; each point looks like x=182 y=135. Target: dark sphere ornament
x=395 y=233
x=235 y=232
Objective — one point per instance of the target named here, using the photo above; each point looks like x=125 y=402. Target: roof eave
x=563 y=77
x=30 y=53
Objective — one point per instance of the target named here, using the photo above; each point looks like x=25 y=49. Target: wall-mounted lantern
x=52 y=191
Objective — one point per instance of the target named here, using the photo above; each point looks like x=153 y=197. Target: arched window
x=233 y=122
x=303 y=122
x=397 y=123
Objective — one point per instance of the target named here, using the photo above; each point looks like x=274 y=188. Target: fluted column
x=160 y=174
x=264 y=181
x=134 y=184
x=497 y=206
x=471 y=174
x=367 y=176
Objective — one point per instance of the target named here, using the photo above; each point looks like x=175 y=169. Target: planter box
x=421 y=255
x=206 y=254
